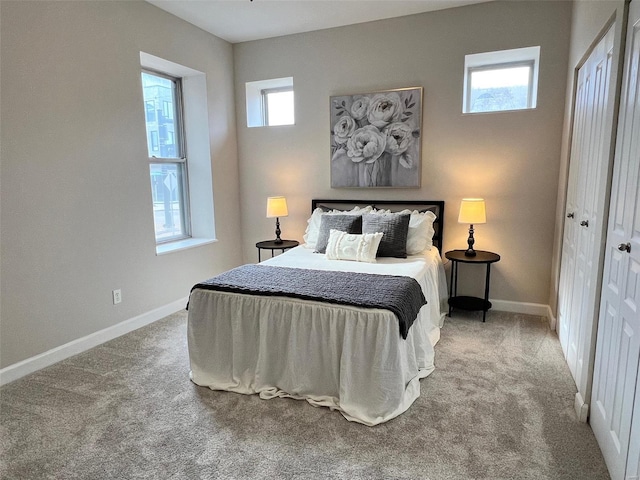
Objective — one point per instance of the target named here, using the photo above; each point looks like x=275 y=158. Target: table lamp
x=472 y=211
x=277 y=207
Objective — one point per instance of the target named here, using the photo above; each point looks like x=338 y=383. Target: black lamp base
x=278 y=240
x=470 y=252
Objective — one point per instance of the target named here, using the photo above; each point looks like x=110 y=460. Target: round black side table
x=466 y=302
x=272 y=245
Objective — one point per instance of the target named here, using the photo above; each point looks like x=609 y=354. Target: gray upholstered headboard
x=436 y=206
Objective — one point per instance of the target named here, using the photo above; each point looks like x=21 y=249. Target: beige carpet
x=498 y=406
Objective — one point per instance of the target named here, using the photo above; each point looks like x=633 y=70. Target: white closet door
x=586 y=202
x=618 y=341
x=567 y=269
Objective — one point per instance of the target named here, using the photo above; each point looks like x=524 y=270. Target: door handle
x=584 y=223
x=625 y=247
x=570 y=215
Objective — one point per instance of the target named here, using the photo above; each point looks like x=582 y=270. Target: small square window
x=501 y=81
x=270 y=102
x=278 y=106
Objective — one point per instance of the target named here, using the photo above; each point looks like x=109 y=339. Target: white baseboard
x=528 y=308
x=521 y=307
x=553 y=322
x=582 y=409
x=55 y=355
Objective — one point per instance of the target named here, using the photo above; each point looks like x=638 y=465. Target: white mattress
x=346 y=358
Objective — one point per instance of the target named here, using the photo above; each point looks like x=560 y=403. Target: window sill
x=501 y=111
x=171 y=247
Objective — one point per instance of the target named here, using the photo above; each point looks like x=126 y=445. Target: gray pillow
x=394 y=226
x=344 y=223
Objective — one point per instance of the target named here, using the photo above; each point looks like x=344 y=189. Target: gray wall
x=589 y=18
x=510 y=159
x=75 y=192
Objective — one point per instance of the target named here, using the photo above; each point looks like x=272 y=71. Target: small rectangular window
x=167 y=110
x=501 y=81
x=167 y=157
x=151 y=111
x=277 y=106
x=155 y=145
x=270 y=102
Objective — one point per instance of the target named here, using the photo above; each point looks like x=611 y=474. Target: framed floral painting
x=376 y=139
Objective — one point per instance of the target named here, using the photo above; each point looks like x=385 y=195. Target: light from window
x=270 y=102
x=501 y=81
x=167 y=162
x=503 y=88
x=278 y=107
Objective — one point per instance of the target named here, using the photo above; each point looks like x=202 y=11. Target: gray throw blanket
x=401 y=295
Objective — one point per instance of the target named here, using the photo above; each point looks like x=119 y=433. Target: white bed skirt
x=345 y=358
x=334 y=356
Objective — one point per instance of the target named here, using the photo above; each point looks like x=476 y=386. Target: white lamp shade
x=472 y=211
x=277 y=207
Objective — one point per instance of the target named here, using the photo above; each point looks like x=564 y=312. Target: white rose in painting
x=360 y=108
x=399 y=138
x=343 y=129
x=366 y=143
x=385 y=108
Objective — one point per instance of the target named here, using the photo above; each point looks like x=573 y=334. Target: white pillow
x=421 y=231
x=313 y=224
x=350 y=246
x=310 y=236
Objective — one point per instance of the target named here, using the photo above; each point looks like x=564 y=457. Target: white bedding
x=346 y=358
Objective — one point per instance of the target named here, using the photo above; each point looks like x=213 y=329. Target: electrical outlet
x=117 y=296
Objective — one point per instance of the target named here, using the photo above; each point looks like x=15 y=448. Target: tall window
x=501 y=81
x=167 y=156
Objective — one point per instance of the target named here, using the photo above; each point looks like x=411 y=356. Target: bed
x=349 y=358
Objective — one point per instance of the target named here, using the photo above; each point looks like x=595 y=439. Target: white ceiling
x=244 y=20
